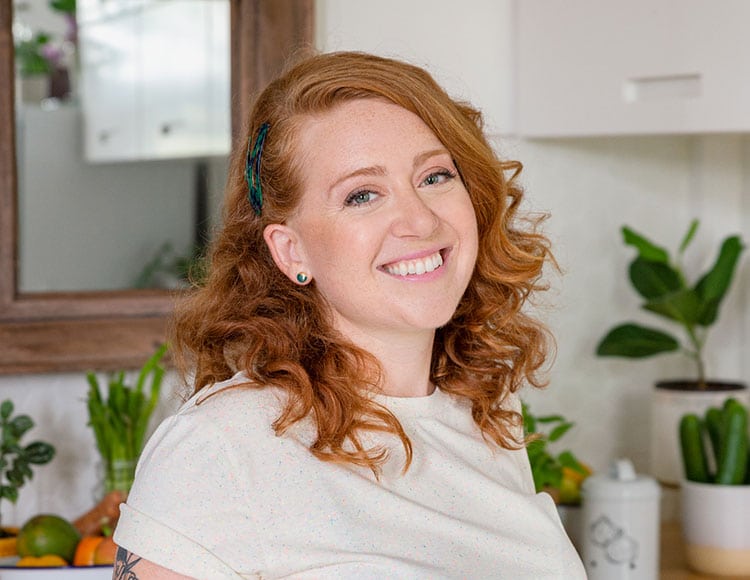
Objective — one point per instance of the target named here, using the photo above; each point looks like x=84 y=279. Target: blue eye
x=362 y=197
x=438 y=177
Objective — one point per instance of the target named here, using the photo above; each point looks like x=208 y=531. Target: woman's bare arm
x=128 y=566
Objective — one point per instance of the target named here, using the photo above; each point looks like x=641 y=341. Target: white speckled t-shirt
x=219 y=495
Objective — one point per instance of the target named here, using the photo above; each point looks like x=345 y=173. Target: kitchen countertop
x=672 y=557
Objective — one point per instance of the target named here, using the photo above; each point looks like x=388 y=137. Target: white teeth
x=416 y=267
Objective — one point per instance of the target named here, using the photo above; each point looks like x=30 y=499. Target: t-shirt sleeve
x=188 y=509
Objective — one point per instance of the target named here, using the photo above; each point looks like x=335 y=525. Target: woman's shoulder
x=236 y=395
x=223 y=416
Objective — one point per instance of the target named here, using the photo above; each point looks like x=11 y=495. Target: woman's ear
x=283 y=243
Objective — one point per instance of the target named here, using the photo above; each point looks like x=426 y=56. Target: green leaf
x=68 y=6
x=712 y=287
x=635 y=341
x=646 y=249
x=9 y=492
x=567 y=459
x=6 y=409
x=683 y=306
x=14 y=477
x=39 y=453
x=559 y=431
x=551 y=419
x=689 y=236
x=20 y=425
x=654 y=279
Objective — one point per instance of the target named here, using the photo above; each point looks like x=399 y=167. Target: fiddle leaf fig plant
x=693 y=307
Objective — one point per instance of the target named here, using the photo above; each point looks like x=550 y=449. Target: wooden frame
x=75 y=331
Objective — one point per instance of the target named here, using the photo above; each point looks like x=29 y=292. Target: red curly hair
x=249 y=316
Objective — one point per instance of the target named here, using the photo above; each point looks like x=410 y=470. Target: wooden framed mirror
x=104 y=330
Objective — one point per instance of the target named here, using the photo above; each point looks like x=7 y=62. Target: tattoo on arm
x=124 y=564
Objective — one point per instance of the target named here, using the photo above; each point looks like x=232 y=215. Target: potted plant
x=693 y=308
x=16 y=462
x=558 y=473
x=120 y=418
x=716 y=490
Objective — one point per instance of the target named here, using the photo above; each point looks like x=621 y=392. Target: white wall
x=72 y=482
x=590 y=187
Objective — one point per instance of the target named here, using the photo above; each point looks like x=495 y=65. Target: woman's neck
x=404 y=357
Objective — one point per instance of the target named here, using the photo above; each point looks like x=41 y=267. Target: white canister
x=621 y=524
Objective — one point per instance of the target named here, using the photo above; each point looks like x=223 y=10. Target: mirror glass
x=123 y=131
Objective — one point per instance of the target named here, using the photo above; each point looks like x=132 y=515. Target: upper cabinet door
x=467 y=47
x=605 y=67
x=155 y=78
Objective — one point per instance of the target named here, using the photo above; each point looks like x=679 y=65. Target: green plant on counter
x=120 y=420
x=31 y=60
x=559 y=474
x=15 y=459
x=660 y=280
x=715 y=447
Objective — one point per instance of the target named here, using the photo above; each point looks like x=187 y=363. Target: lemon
x=48 y=534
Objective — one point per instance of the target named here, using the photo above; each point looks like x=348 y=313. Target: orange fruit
x=84 y=555
x=570 y=486
x=47 y=561
x=48 y=534
x=106 y=551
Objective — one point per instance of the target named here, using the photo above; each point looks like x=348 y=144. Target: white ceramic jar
x=621 y=525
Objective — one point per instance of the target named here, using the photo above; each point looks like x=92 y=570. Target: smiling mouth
x=415 y=267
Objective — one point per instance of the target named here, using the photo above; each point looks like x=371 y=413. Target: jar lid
x=621 y=482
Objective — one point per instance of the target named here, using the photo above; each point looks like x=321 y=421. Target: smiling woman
x=63 y=331
x=357 y=351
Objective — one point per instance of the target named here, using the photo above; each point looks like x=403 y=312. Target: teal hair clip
x=252 y=169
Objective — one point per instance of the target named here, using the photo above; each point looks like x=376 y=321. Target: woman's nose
x=414 y=217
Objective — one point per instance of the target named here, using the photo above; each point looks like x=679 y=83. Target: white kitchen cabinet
x=155 y=78
x=467 y=46
x=606 y=67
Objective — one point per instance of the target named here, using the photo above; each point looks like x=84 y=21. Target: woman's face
x=385 y=225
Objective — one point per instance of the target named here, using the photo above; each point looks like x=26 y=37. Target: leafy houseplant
x=15 y=459
x=660 y=281
x=559 y=474
x=120 y=420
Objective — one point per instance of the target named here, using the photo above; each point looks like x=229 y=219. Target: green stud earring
x=301 y=277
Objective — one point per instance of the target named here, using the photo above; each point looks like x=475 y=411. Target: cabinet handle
x=683 y=86
x=168 y=127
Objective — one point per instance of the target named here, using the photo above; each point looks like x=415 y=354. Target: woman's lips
x=415 y=266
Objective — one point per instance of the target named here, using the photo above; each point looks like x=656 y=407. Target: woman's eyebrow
x=373 y=170
x=379 y=170
x=422 y=157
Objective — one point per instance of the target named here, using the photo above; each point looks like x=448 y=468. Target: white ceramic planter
x=667 y=408
x=716 y=528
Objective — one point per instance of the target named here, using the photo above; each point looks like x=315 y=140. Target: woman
x=357 y=350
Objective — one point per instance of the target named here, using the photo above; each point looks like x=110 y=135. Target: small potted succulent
x=693 y=308
x=716 y=490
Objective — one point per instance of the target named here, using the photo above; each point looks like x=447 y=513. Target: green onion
x=120 y=422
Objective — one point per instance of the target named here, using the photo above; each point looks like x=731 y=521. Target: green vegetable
x=727 y=431
x=120 y=421
x=693 y=455
x=714 y=428
x=733 y=456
